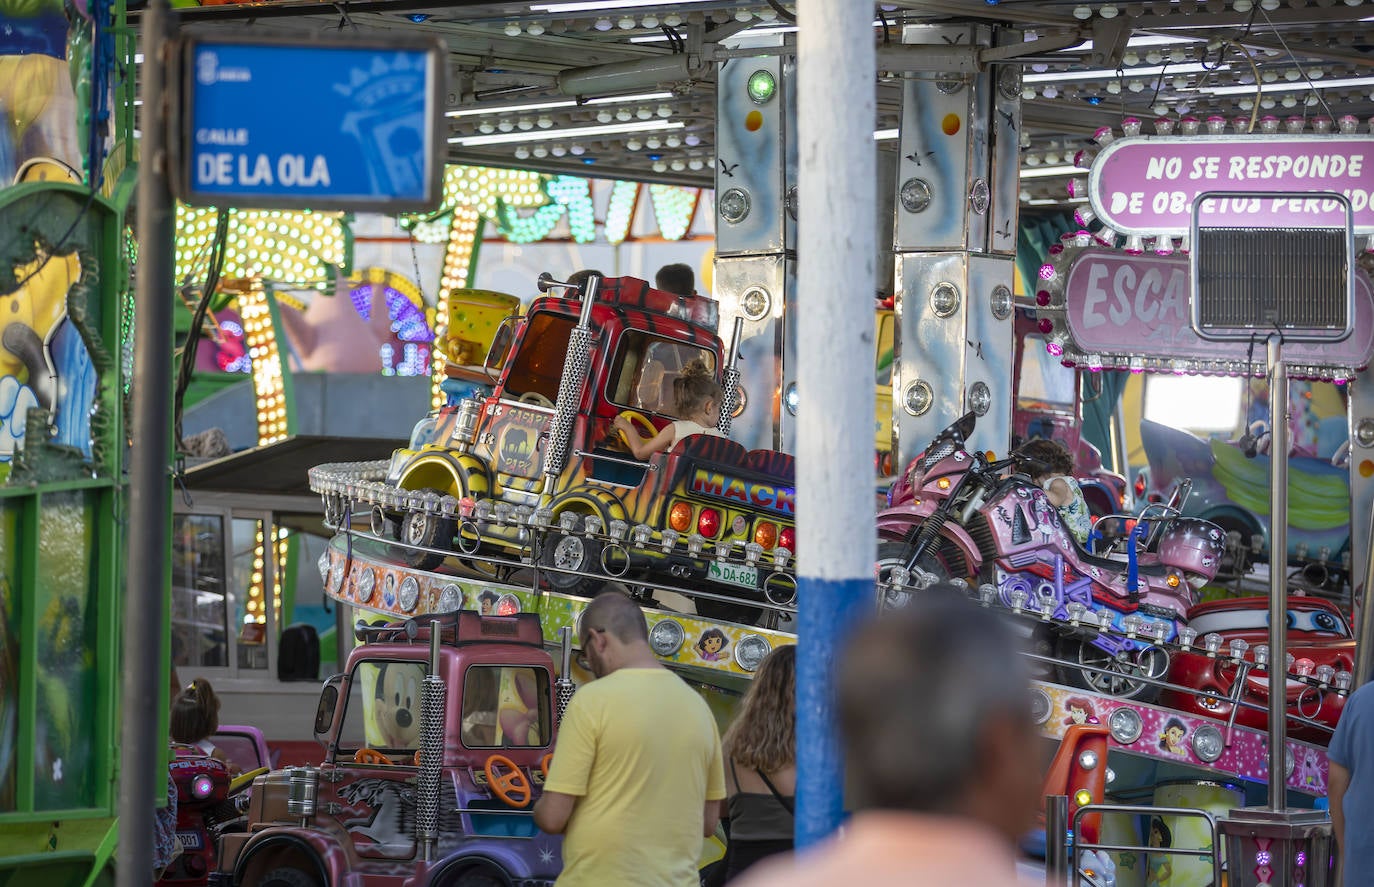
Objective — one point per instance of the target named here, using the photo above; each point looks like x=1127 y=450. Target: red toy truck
x=535 y=465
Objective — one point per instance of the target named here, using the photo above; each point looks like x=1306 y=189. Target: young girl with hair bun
x=195 y=717
x=697 y=397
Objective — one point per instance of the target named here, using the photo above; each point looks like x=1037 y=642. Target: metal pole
x=1364 y=644
x=836 y=527
x=145 y=596
x=1057 y=863
x=1278 y=572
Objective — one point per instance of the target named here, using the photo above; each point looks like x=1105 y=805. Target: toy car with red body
x=1319 y=642
x=535 y=463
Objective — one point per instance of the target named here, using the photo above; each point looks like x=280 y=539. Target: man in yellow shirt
x=636 y=779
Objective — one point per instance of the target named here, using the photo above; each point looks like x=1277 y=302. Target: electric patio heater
x=1280 y=286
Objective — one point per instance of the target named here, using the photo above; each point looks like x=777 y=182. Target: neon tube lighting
x=1125 y=74
x=559 y=103
x=1290 y=86
x=605 y=5
x=577 y=132
x=1044 y=172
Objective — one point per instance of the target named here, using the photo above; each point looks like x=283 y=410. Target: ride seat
x=773 y=464
x=1147 y=564
x=710 y=448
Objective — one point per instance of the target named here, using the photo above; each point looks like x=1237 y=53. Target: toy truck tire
x=427 y=530
x=569 y=552
x=288 y=876
x=473 y=877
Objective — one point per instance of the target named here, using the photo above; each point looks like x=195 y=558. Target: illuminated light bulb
x=1028 y=93
x=534 y=29
x=624 y=114
x=558 y=150
x=644 y=113
x=603 y=24
x=1164 y=125
x=626 y=24
x=1324 y=675
x=1082 y=13
x=1018 y=600
x=513 y=29
x=540 y=151
x=1343 y=681
x=505 y=126
x=1104 y=136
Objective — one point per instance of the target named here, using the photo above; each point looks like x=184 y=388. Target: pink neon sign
x=1146 y=185
x=1122 y=304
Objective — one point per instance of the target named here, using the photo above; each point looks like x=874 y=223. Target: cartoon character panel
x=383 y=710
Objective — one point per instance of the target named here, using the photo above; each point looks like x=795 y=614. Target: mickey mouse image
x=397 y=700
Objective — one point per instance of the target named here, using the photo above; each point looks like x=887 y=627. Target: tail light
x=766 y=535
x=1139 y=487
x=708 y=522
x=788 y=539
x=680 y=517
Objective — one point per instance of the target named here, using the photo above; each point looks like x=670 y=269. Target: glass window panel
x=65 y=602
x=200 y=612
x=646 y=368
x=383 y=709
x=249 y=580
x=1044 y=381
x=505 y=706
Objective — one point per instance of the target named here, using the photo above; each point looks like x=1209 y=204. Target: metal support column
x=1278 y=574
x=836 y=529
x=145 y=597
x=954 y=244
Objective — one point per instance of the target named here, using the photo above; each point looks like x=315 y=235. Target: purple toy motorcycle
x=957 y=515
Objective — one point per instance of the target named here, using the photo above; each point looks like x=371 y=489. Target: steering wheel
x=634 y=417
x=512 y=787
x=544 y=764
x=534 y=397
x=370 y=756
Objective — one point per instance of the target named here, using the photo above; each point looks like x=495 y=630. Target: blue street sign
x=322 y=125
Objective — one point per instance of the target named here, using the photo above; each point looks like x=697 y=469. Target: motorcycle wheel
x=1120 y=676
x=288 y=876
x=945 y=561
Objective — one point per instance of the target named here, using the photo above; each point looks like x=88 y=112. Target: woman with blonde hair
x=760 y=750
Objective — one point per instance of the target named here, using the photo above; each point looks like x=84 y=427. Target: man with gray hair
x=934 y=712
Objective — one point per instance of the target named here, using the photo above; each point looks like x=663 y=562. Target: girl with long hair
x=760 y=749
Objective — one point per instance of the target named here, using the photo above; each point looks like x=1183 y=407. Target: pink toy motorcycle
x=957 y=515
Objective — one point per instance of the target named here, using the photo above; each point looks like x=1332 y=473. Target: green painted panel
x=9 y=659
x=64 y=598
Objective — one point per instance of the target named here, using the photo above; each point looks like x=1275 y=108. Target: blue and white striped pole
x=836 y=528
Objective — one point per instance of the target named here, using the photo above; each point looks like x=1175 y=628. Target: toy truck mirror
x=329 y=701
